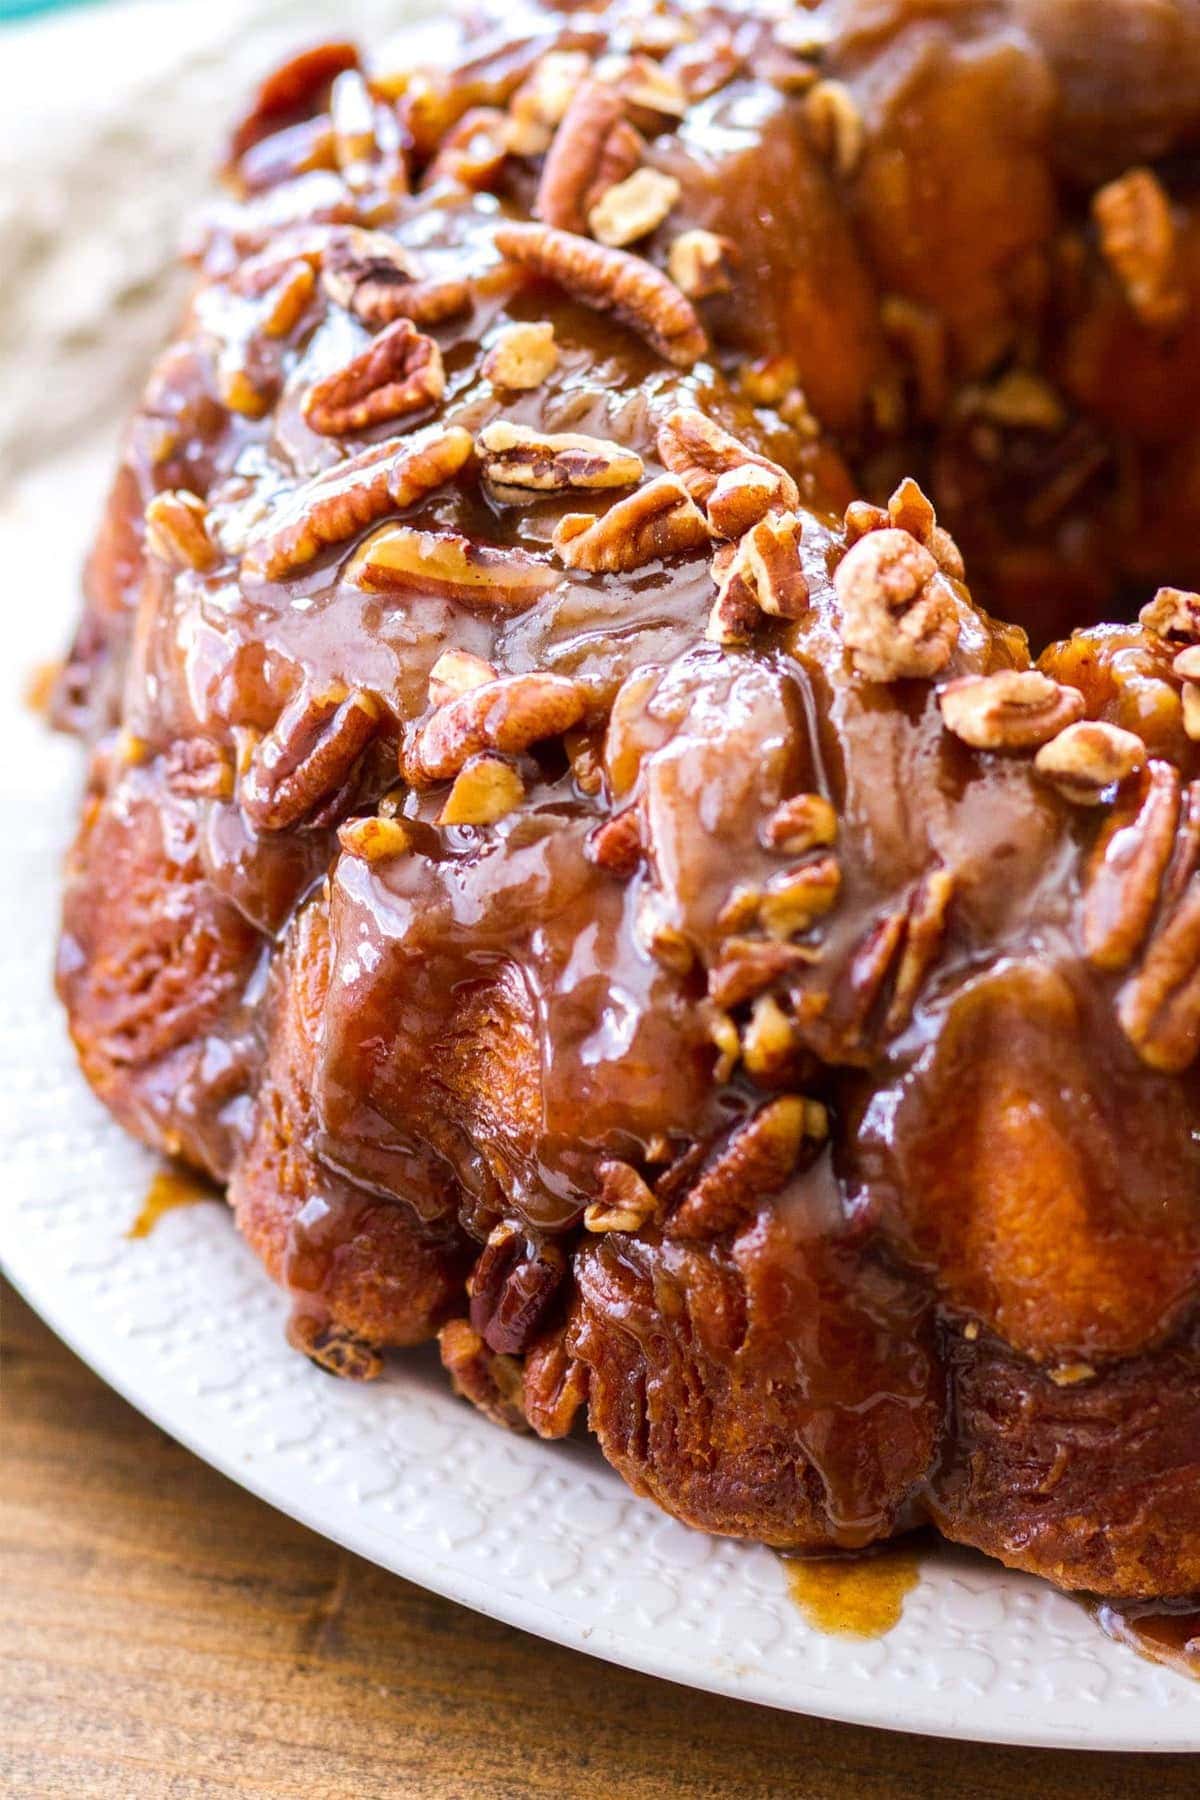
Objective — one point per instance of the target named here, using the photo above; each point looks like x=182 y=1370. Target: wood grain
x=163 y=1634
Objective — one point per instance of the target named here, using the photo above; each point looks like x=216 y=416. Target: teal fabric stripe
x=23 y=9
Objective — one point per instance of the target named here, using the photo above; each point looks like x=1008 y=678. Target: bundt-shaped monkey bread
x=565 y=845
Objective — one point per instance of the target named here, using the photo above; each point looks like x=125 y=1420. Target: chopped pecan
x=199 y=769
x=735 y=615
x=924 y=930
x=699 y=452
x=520 y=463
x=1159 y=1007
x=648 y=86
x=659 y=937
x=486 y=788
x=295 y=87
x=804 y=822
x=741 y=498
x=1089 y=759
x=375 y=839
x=370 y=275
x=177 y=530
x=701 y=264
x=1138 y=241
x=286 y=300
x=633 y=208
x=456 y=672
x=611 y=281
x=793 y=902
x=835 y=125
x=624 y=1202
x=511 y=1287
x=541 y=101
x=1190 y=702
x=765 y=570
x=555 y=1385
x=757 y=1160
x=659 y=520
x=334 y=1349
x=446 y=563
x=909 y=509
x=769 y=1041
x=616 y=843
x=1125 y=873
x=507 y=715
x=473 y=152
x=1174 y=613
x=308 y=755
x=342 y=501
x=522 y=356
x=899 y=617
x=748 y=965
x=399 y=372
x=494 y=1384
x=1014 y=709
x=573 y=175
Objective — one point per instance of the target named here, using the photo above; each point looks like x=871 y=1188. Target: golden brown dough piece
x=567 y=847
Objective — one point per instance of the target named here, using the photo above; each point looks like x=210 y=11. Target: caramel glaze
x=854 y=1596
x=976 y=1301
x=169 y=1189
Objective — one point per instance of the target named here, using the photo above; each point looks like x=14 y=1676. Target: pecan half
x=758 y=1159
x=616 y=843
x=494 y=1384
x=1088 y=760
x=701 y=264
x=198 y=769
x=769 y=1042
x=398 y=557
x=1125 y=873
x=507 y=715
x=177 y=530
x=741 y=498
x=700 y=452
x=511 y=1286
x=399 y=372
x=372 y=276
x=306 y=758
x=485 y=789
x=924 y=931
x=1137 y=240
x=473 y=152
x=764 y=571
x=793 y=902
x=633 y=208
x=555 y=1385
x=519 y=463
x=1174 y=613
x=344 y=500
x=569 y=174
x=659 y=520
x=1159 y=1007
x=611 y=281
x=1014 y=709
x=624 y=1203
x=523 y=356
x=899 y=617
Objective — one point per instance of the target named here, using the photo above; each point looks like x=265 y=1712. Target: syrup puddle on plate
x=169 y=1189
x=1165 y=1633
x=853 y=1596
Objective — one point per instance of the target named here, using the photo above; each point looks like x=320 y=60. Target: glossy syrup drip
x=853 y=1596
x=169 y=1189
x=1165 y=1632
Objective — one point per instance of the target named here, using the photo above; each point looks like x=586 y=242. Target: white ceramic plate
x=546 y=1537
x=183 y=1322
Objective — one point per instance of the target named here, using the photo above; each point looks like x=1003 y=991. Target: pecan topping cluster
x=899 y=615
x=506 y=715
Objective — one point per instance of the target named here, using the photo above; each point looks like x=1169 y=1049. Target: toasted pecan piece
x=756 y=1160
x=1087 y=760
x=305 y=759
x=898 y=613
x=523 y=356
x=1124 y=876
x=1014 y=709
x=507 y=715
x=580 y=163
x=374 y=277
x=445 y=562
x=400 y=372
x=520 y=463
x=659 y=520
x=342 y=501
x=611 y=281
x=177 y=530
x=1138 y=241
x=700 y=452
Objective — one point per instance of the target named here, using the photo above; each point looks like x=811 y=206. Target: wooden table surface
x=164 y=1634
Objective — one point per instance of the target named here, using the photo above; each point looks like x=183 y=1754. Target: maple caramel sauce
x=169 y=1189
x=853 y=1596
x=1167 y=1633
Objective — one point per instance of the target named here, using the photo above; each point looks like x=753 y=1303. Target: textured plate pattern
x=546 y=1537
